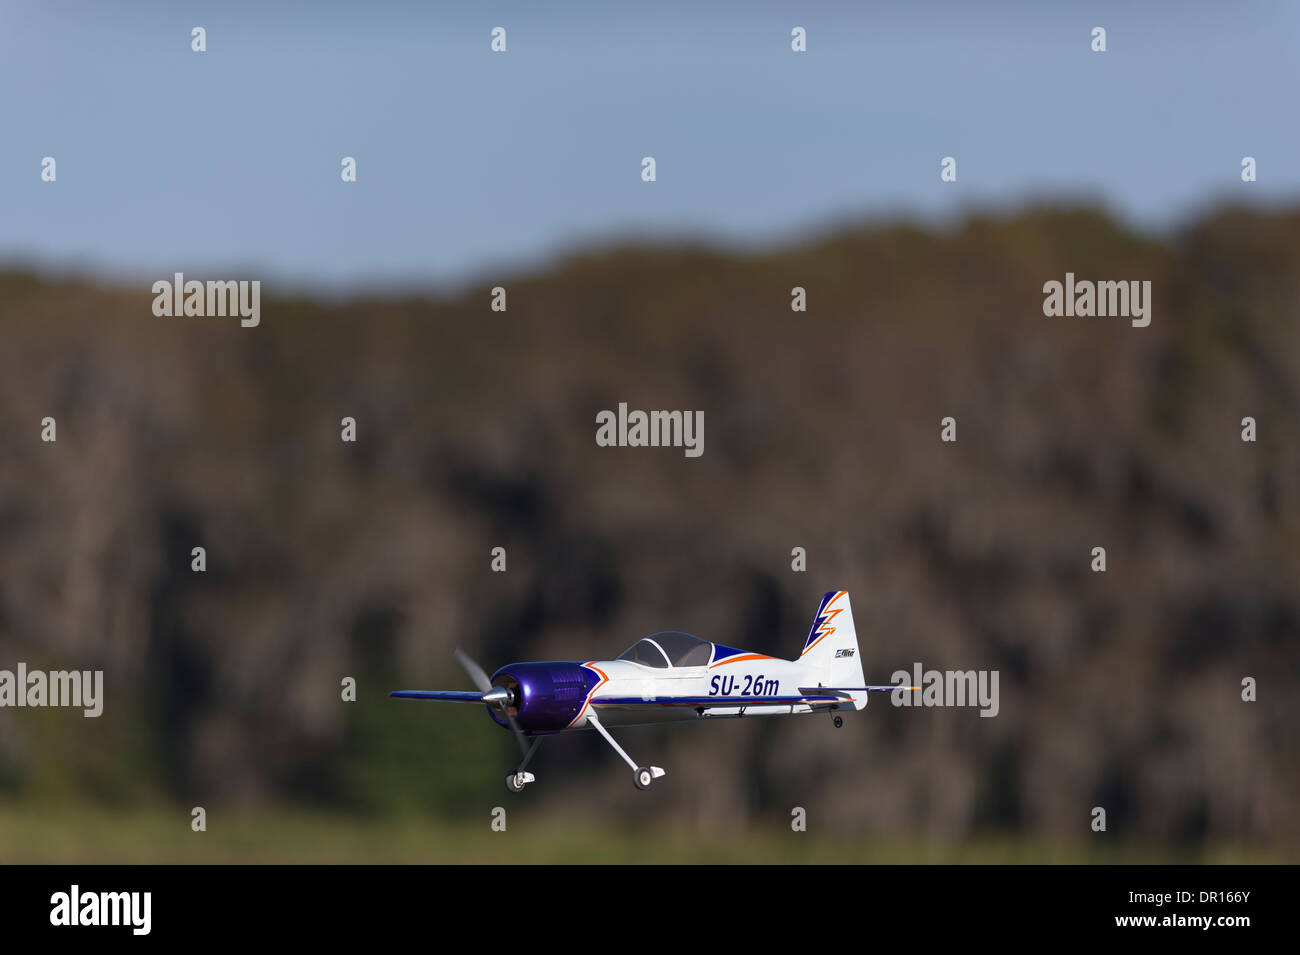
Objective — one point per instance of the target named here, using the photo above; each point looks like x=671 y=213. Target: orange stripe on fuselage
x=587 y=702
x=741 y=657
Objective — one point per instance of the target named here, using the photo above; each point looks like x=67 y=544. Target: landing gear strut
x=642 y=776
x=517 y=780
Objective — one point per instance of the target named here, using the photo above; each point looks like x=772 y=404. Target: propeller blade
x=519 y=734
x=497 y=696
x=475 y=671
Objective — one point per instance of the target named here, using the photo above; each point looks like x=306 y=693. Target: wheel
x=838 y=721
x=513 y=783
x=642 y=777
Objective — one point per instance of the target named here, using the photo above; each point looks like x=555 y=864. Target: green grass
x=294 y=836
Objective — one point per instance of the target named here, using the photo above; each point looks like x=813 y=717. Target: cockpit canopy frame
x=669 y=649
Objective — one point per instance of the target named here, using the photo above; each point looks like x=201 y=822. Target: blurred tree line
x=475 y=429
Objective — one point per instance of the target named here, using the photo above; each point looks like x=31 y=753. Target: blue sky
x=472 y=164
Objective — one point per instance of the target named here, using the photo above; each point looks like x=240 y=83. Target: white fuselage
x=740 y=678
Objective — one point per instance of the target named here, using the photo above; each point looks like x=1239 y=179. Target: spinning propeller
x=501 y=697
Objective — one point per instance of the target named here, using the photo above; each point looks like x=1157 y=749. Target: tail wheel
x=513 y=783
x=642 y=777
x=838 y=722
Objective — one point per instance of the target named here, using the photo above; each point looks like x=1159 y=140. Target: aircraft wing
x=707 y=702
x=446 y=696
x=843 y=691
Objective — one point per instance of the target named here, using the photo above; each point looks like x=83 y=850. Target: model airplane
x=670 y=676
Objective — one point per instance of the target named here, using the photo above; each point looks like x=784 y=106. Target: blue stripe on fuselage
x=713 y=700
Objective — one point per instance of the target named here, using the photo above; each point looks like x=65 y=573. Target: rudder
x=832 y=642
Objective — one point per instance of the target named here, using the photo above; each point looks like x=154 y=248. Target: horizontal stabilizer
x=446 y=696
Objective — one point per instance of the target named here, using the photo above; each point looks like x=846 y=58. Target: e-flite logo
x=103 y=908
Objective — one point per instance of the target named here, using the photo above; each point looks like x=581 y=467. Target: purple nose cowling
x=547 y=696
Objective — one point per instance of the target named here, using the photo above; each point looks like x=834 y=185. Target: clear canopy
x=669 y=648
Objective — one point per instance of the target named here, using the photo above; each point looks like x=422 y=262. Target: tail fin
x=832 y=643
